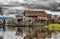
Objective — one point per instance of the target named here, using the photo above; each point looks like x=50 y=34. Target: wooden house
x=41 y=17
x=57 y=20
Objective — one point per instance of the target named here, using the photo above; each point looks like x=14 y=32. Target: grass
x=54 y=26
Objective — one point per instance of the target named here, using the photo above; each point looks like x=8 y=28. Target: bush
x=54 y=26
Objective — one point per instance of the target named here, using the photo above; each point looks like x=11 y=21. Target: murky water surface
x=10 y=33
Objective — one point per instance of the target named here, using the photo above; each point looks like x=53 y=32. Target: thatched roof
x=35 y=13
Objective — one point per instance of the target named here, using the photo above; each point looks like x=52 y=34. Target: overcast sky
x=6 y=1
x=45 y=3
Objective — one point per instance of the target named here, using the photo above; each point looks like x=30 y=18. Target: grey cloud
x=47 y=6
x=40 y=4
x=8 y=12
x=52 y=6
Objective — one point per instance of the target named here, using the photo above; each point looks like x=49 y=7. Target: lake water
x=9 y=34
x=7 y=29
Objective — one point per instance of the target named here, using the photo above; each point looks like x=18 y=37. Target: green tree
x=13 y=20
x=9 y=22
